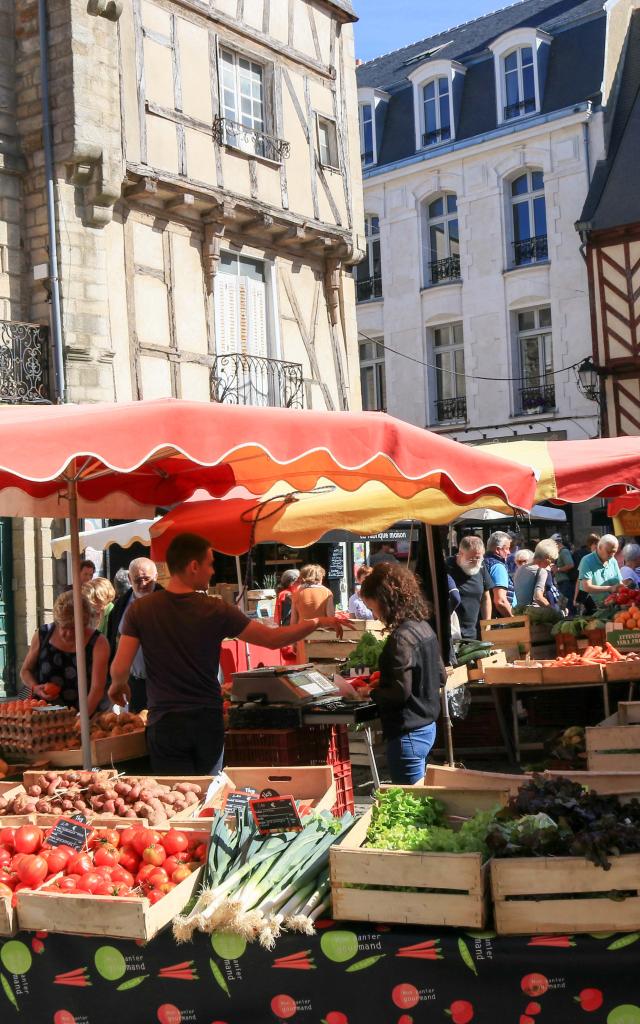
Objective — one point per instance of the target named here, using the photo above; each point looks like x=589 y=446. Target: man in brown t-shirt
x=181 y=630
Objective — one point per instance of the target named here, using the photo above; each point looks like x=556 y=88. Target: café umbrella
x=125 y=460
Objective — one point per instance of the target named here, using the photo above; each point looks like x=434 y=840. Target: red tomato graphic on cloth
x=405 y=996
x=405 y=1019
x=283 y=1006
x=63 y=1017
x=169 y=1014
x=461 y=1011
x=590 y=999
x=533 y=1009
x=336 y=1017
x=534 y=984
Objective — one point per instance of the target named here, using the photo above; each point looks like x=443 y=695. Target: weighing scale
x=285 y=684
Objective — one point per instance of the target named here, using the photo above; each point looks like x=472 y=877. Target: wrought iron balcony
x=539 y=398
x=250 y=140
x=438 y=135
x=445 y=270
x=24 y=363
x=448 y=409
x=526 y=106
x=530 y=250
x=368 y=288
x=239 y=379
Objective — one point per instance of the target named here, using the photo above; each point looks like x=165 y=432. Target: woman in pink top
x=312 y=598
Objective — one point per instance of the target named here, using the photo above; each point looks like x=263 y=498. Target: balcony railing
x=536 y=399
x=518 y=109
x=239 y=379
x=24 y=362
x=368 y=288
x=250 y=140
x=530 y=250
x=437 y=135
x=445 y=270
x=448 y=409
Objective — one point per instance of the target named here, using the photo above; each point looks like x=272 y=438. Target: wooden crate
x=531 y=879
x=603 y=782
x=105 y=751
x=456 y=677
x=119 y=918
x=311 y=784
x=513 y=675
x=568 y=675
x=512 y=635
x=327 y=648
x=355 y=631
x=482 y=664
x=612 y=746
x=622 y=671
x=8 y=917
x=451 y=889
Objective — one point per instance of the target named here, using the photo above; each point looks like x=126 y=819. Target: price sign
x=336 y=562
x=72 y=832
x=237 y=800
x=275 y=814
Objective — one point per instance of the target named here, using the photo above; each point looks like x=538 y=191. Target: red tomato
x=200 y=853
x=121 y=876
x=166 y=887
x=108 y=836
x=105 y=888
x=144 y=872
x=57 y=858
x=106 y=854
x=129 y=858
x=170 y=865
x=157 y=878
x=10 y=879
x=79 y=864
x=90 y=882
x=67 y=883
x=181 y=872
x=7 y=836
x=15 y=860
x=154 y=895
x=27 y=839
x=143 y=838
x=127 y=834
x=5 y=856
x=32 y=870
x=121 y=890
x=174 y=841
x=154 y=854
x=104 y=870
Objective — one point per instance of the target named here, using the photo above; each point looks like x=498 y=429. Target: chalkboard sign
x=336 y=562
x=237 y=799
x=276 y=814
x=72 y=832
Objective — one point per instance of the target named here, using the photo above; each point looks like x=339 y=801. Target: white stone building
x=477 y=148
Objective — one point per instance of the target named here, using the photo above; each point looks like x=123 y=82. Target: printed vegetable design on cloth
x=16 y=958
x=184 y=971
x=78 y=978
x=460 y=1011
x=339 y=945
x=430 y=949
x=467 y=958
x=590 y=999
x=302 y=961
x=626 y=1013
x=228 y=946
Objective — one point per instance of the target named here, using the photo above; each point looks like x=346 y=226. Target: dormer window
x=436 y=111
x=437 y=97
x=521 y=58
x=372 y=108
x=367 y=150
x=519 y=83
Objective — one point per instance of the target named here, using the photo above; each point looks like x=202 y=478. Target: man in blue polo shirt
x=598 y=572
x=503 y=594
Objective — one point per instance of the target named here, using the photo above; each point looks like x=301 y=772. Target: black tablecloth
x=346 y=974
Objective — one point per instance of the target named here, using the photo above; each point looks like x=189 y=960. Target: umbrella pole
x=78 y=620
x=446 y=719
x=243 y=592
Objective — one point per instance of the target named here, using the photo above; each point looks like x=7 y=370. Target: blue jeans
x=407 y=755
x=187 y=743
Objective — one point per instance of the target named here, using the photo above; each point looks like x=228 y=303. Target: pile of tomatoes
x=117 y=862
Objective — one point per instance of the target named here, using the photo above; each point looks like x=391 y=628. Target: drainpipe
x=47 y=138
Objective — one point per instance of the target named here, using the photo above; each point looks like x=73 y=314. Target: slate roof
x=574 y=73
x=613 y=199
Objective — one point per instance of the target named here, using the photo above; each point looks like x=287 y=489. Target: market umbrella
x=124 y=460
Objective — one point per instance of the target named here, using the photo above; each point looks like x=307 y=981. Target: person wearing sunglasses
x=143 y=577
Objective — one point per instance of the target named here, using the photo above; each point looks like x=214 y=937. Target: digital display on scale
x=312 y=683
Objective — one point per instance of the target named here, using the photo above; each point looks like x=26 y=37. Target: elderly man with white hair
x=630 y=570
x=143 y=577
x=598 y=572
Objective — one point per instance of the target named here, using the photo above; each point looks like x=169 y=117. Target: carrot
x=615 y=655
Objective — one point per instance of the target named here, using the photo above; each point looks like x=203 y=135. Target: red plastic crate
x=344 y=788
x=317 y=744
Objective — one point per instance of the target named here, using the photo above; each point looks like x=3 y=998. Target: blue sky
x=389 y=24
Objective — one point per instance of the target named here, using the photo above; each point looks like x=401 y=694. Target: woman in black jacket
x=411 y=670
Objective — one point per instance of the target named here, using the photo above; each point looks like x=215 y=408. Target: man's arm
x=265 y=636
x=485 y=605
x=119 y=691
x=500 y=602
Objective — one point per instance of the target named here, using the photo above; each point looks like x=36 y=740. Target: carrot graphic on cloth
x=562 y=941
x=79 y=977
x=302 y=961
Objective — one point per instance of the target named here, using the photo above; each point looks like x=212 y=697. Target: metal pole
x=47 y=138
x=78 y=620
x=446 y=720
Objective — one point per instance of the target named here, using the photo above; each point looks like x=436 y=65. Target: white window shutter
x=226 y=314
x=256 y=307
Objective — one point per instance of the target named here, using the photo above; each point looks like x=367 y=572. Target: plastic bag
x=459 y=701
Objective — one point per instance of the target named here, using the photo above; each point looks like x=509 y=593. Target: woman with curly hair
x=411 y=670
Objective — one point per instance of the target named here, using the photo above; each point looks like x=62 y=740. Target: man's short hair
x=185 y=548
x=471 y=543
x=498 y=540
x=86 y=563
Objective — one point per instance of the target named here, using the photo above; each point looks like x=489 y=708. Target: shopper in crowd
x=581 y=600
x=357 y=607
x=100 y=593
x=311 y=597
x=630 y=571
x=566 y=572
x=599 y=573
x=513 y=552
x=121 y=582
x=619 y=553
x=533 y=583
x=284 y=596
x=590 y=544
x=181 y=630
x=50 y=670
x=411 y=671
x=522 y=557
x=143 y=577
x=87 y=572
x=385 y=552
x=474 y=584
x=502 y=593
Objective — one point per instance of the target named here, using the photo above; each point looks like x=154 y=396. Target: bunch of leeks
x=255 y=885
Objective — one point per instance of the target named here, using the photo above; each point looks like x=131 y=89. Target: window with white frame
x=372 y=375
x=368 y=274
x=529 y=218
x=367 y=143
x=442 y=237
x=243 y=105
x=535 y=354
x=327 y=141
x=448 y=372
x=519 y=82
x=436 y=111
